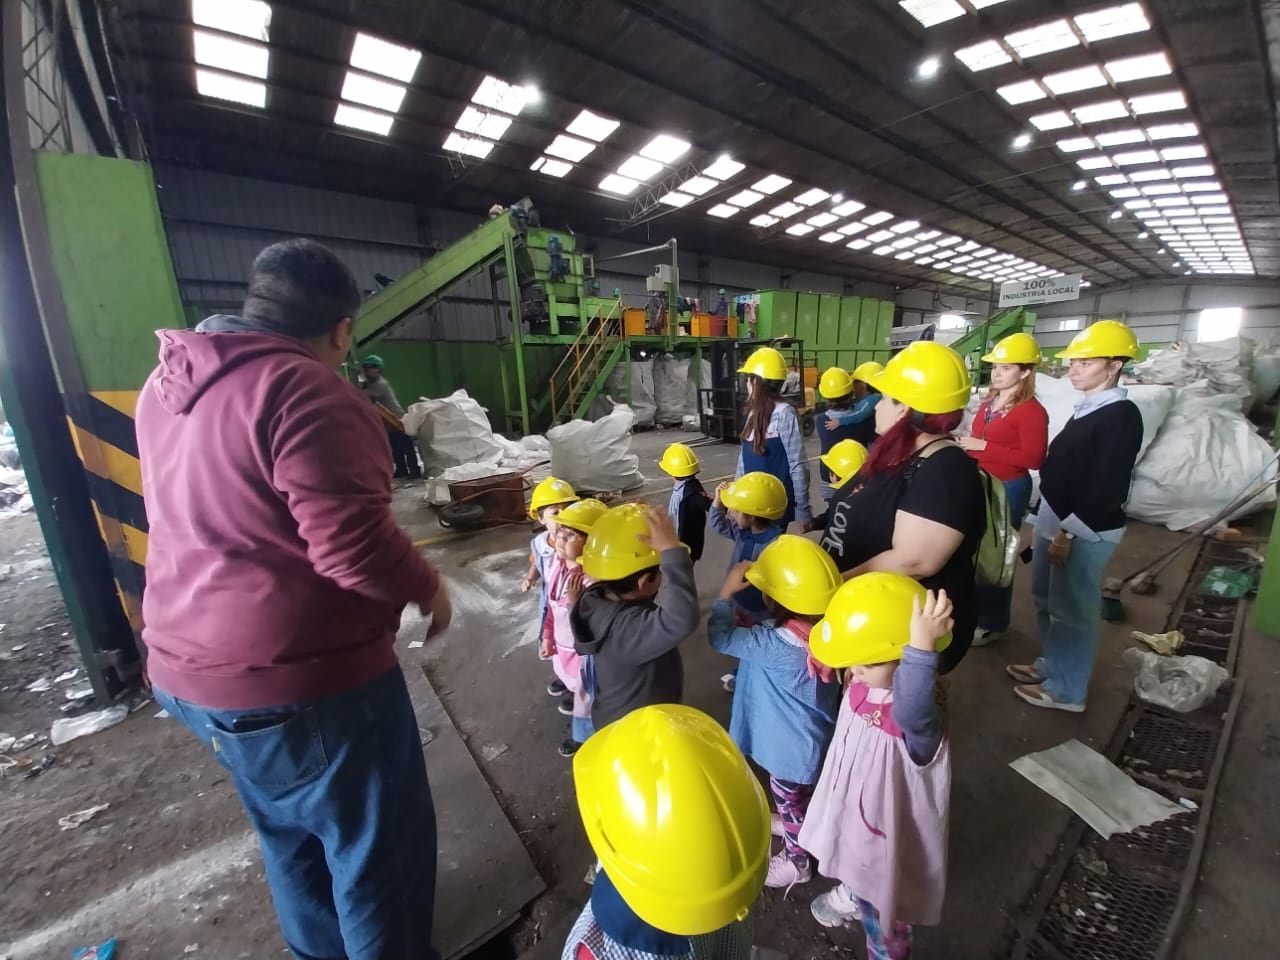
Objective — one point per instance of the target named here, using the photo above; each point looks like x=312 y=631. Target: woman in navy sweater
x=1084 y=484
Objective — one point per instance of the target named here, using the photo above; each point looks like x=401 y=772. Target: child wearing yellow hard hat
x=642 y=604
x=878 y=818
x=784 y=711
x=565 y=582
x=848 y=413
x=681 y=827
x=549 y=497
x=688 y=502
x=749 y=512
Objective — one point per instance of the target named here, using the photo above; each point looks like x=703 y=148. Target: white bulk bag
x=596 y=456
x=670 y=389
x=452 y=431
x=643 y=406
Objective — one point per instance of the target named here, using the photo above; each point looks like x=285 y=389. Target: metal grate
x=1167 y=747
x=1115 y=915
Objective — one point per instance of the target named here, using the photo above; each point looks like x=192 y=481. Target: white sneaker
x=835 y=908
x=784 y=872
x=982 y=638
x=775 y=825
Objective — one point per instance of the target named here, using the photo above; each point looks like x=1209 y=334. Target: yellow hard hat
x=677 y=818
x=548 y=493
x=1015 y=348
x=844 y=459
x=835 y=383
x=868 y=621
x=581 y=516
x=865 y=371
x=766 y=363
x=614 y=550
x=679 y=460
x=1106 y=338
x=796 y=573
x=928 y=377
x=756 y=494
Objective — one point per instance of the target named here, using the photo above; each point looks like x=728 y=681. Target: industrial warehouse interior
x=628 y=480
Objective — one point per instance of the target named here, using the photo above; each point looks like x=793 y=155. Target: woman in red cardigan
x=1010 y=435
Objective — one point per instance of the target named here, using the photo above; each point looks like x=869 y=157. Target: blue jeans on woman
x=995 y=603
x=337 y=790
x=1068 y=612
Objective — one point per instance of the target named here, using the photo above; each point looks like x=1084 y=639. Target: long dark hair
x=897 y=445
x=764 y=394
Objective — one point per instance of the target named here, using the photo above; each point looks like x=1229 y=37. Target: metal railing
x=583 y=360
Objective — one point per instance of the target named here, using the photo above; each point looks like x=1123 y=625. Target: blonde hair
x=1024 y=391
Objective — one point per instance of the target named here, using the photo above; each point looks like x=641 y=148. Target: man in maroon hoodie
x=276 y=576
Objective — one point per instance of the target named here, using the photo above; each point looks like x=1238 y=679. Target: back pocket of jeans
x=276 y=758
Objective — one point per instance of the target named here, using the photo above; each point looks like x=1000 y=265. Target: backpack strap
x=924 y=453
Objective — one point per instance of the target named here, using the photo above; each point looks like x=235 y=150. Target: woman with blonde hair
x=1008 y=438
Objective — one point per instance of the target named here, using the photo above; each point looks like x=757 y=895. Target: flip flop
x=1024 y=673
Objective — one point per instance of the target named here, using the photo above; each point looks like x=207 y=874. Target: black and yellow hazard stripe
x=102 y=427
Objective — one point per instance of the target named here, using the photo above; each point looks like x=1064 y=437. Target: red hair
x=897 y=445
x=1024 y=391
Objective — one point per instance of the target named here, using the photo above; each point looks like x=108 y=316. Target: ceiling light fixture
x=1079 y=185
x=1116 y=214
x=1022 y=141
x=1143 y=235
x=929 y=67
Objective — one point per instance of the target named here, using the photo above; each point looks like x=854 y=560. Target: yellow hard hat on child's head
x=549 y=493
x=766 y=363
x=868 y=621
x=677 y=818
x=757 y=494
x=614 y=549
x=581 y=516
x=797 y=574
x=844 y=459
x=865 y=371
x=679 y=461
x=835 y=383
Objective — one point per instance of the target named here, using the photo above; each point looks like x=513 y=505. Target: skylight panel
x=618 y=184
x=592 y=126
x=1113 y=22
x=811 y=196
x=1133 y=158
x=928 y=234
x=1045 y=38
x=1209 y=198
x=1191 y=152
x=640 y=168
x=763 y=220
x=724 y=168
x=1124 y=193
x=1098 y=162
x=699 y=185
x=491 y=126
x=822 y=219
x=1138 y=204
x=880 y=236
x=1070 y=81
x=906 y=226
x=1173 y=131
x=948 y=241
x=502 y=96
x=1140 y=67
x=454 y=143
x=1195 y=170
x=883 y=251
x=222 y=86
x=1024 y=91
x=1159 y=102
x=858 y=244
x=1054 y=120
x=247 y=18
x=849 y=229
x=1097 y=112
x=930 y=13
x=847 y=208
x=903 y=242
x=1173 y=202
x=235 y=56
x=388 y=97
x=927 y=248
x=665 y=148
x=1202 y=186
x=676 y=199
x=799 y=229
x=1116 y=138
x=771 y=184
x=1160 y=189
x=967 y=246
x=831 y=237
x=907 y=255
x=1108 y=179
x=1146 y=176
x=723 y=210
x=569 y=148
x=1075 y=144
x=787 y=209
x=984 y=55
x=374 y=55
x=550 y=167
x=745 y=198
x=879 y=217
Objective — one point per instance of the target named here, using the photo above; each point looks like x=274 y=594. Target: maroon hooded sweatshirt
x=275 y=570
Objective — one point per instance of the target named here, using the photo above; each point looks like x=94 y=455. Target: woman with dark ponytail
x=771 y=438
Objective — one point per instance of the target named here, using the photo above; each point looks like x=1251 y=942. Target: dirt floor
x=171 y=869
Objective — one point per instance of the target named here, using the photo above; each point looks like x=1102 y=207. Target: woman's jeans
x=994 y=603
x=1068 y=612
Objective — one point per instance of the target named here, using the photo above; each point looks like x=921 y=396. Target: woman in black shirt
x=916 y=507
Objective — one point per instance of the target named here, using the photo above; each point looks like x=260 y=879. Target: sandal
x=1024 y=673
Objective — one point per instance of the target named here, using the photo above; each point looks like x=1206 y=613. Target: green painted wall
x=112 y=264
x=807 y=319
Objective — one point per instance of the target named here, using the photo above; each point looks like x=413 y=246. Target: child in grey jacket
x=631 y=620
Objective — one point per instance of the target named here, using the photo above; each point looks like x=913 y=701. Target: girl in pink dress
x=878 y=818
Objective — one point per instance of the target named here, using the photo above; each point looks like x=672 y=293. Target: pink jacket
x=275 y=570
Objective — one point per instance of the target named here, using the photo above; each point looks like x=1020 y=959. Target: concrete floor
x=170 y=864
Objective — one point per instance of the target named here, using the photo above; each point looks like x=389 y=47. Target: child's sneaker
x=785 y=872
x=569 y=747
x=835 y=908
x=555 y=688
x=566 y=705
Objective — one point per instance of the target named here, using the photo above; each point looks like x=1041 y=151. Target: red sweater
x=275 y=570
x=1016 y=439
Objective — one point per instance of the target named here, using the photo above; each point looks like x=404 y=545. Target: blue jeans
x=337 y=790
x=1068 y=611
x=995 y=603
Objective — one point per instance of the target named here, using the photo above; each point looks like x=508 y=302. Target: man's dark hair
x=300 y=288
